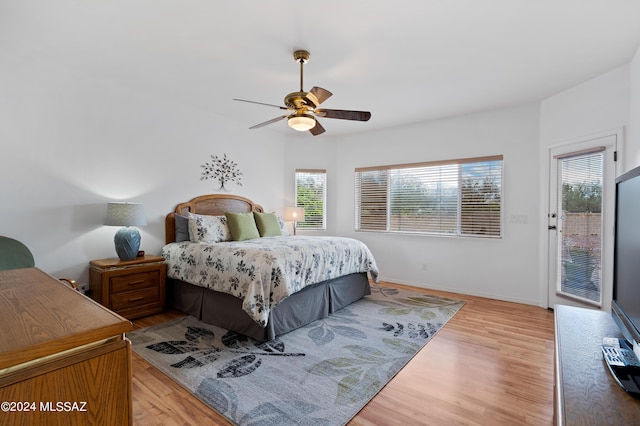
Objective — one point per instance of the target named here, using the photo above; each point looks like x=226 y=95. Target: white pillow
x=283 y=227
x=208 y=229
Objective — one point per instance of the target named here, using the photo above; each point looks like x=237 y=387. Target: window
x=456 y=197
x=311 y=194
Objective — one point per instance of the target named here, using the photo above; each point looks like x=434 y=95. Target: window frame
x=381 y=197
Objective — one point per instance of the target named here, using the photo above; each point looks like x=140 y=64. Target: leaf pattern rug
x=320 y=374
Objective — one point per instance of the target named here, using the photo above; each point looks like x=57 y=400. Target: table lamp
x=295 y=215
x=127 y=239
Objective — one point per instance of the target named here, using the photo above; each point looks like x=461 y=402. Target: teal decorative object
x=127 y=239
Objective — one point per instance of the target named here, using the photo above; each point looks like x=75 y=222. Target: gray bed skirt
x=311 y=303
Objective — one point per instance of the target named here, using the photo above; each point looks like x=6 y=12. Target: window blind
x=454 y=197
x=580 y=239
x=311 y=195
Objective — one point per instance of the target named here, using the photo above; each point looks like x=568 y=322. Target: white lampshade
x=125 y=214
x=294 y=214
x=301 y=122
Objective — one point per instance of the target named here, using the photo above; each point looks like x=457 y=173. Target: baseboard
x=461 y=291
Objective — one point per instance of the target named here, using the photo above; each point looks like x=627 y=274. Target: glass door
x=580 y=246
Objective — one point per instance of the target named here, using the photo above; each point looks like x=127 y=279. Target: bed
x=260 y=287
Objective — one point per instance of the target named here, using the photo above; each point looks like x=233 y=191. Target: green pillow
x=242 y=226
x=268 y=225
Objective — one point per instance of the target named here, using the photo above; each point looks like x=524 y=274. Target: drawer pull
x=136 y=282
x=136 y=299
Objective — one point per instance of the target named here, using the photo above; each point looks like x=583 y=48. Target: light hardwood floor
x=491 y=364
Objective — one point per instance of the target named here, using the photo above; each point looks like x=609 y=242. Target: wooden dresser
x=585 y=391
x=64 y=359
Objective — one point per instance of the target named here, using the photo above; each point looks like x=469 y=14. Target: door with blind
x=580 y=222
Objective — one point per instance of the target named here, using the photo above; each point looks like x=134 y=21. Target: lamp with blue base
x=127 y=239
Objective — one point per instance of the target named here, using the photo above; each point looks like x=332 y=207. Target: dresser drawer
x=130 y=299
x=135 y=281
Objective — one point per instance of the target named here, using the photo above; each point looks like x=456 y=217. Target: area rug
x=320 y=374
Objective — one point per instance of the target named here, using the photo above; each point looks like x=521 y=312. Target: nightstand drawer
x=130 y=282
x=131 y=299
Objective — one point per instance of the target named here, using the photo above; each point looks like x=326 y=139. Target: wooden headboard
x=213 y=205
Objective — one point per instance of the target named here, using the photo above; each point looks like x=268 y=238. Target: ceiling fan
x=302 y=107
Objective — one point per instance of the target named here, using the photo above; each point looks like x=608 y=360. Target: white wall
x=596 y=107
x=592 y=107
x=69 y=145
x=633 y=130
x=303 y=151
x=503 y=268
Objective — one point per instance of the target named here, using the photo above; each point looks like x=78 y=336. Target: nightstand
x=131 y=288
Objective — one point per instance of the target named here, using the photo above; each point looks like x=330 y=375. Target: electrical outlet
x=519 y=218
x=424 y=266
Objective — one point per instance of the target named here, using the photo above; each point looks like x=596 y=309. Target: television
x=625 y=307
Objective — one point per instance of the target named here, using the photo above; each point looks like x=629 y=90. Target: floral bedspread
x=264 y=271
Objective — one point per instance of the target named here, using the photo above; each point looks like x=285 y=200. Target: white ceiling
x=405 y=61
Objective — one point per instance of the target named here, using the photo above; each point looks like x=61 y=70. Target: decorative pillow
x=267 y=224
x=208 y=229
x=283 y=228
x=242 y=226
x=182 y=228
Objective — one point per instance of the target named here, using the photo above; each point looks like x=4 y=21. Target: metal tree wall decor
x=223 y=170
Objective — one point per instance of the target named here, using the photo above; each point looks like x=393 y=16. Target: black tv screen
x=626 y=278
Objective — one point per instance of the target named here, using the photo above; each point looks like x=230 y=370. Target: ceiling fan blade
x=344 y=114
x=320 y=94
x=259 y=103
x=317 y=129
x=273 y=120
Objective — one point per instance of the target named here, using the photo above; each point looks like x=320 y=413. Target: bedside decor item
x=127 y=239
x=223 y=170
x=295 y=215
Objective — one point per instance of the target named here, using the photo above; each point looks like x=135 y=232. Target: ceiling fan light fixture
x=301 y=123
x=302 y=107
